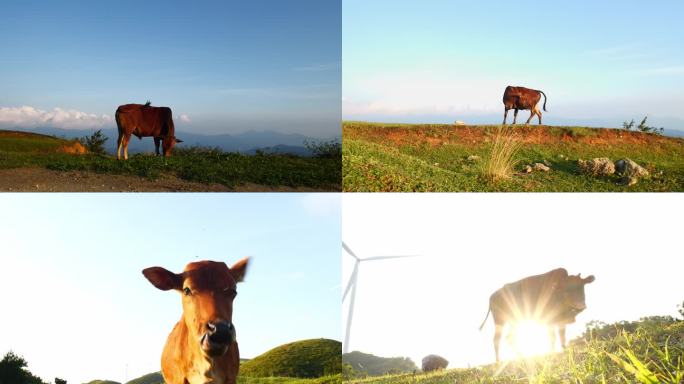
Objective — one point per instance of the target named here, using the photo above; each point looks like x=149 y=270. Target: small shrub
x=642 y=127
x=501 y=161
x=95 y=143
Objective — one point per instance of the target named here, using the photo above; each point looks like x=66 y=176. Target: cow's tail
x=544 y=100
x=486 y=317
x=117 y=117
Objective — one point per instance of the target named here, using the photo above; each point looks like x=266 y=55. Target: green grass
x=306 y=358
x=198 y=165
x=403 y=157
x=648 y=351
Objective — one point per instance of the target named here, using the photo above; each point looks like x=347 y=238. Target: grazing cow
x=433 y=363
x=522 y=98
x=553 y=298
x=145 y=121
x=202 y=346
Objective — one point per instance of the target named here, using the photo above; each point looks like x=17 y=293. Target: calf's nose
x=220 y=332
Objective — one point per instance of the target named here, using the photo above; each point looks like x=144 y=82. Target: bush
x=642 y=127
x=95 y=143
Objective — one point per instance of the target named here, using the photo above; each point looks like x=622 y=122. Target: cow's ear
x=177 y=140
x=239 y=269
x=589 y=279
x=163 y=279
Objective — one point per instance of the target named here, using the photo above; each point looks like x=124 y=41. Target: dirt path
x=44 y=180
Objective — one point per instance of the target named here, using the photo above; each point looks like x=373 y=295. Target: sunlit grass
x=501 y=161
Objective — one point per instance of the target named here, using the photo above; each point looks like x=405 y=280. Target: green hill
x=650 y=350
x=305 y=358
x=102 y=382
x=17 y=142
x=379 y=157
x=365 y=364
x=150 y=378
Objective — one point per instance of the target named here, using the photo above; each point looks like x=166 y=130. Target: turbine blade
x=349 y=251
x=352 y=280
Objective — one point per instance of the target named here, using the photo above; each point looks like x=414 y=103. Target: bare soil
x=44 y=180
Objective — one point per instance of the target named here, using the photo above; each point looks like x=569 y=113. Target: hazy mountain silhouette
x=247 y=142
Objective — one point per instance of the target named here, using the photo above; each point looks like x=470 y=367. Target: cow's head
x=169 y=143
x=572 y=291
x=208 y=289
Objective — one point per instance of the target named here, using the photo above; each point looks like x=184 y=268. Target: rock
x=434 y=362
x=540 y=167
x=527 y=169
x=629 y=168
x=473 y=158
x=599 y=166
x=459 y=122
x=547 y=163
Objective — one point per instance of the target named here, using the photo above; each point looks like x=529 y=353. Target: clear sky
x=470 y=245
x=75 y=302
x=599 y=62
x=222 y=66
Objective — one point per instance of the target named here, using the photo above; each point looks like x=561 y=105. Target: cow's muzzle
x=218 y=337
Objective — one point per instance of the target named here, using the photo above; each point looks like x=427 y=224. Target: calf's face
x=573 y=292
x=208 y=289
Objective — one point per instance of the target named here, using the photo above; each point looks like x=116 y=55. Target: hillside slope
x=372 y=365
x=305 y=358
x=424 y=157
x=650 y=350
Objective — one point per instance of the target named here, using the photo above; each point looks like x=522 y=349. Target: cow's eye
x=187 y=291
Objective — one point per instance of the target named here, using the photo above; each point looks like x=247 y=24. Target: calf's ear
x=589 y=279
x=163 y=279
x=177 y=140
x=239 y=269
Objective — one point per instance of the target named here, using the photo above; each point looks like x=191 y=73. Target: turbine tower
x=351 y=285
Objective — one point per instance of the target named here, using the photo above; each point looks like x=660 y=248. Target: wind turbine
x=351 y=285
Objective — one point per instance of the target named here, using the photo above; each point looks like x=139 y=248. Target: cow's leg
x=498 y=328
x=119 y=141
x=156 y=145
x=505 y=114
x=552 y=336
x=126 y=139
x=515 y=116
x=530 y=118
x=561 y=333
x=539 y=115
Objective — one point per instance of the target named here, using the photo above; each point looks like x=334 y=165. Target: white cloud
x=184 y=118
x=30 y=117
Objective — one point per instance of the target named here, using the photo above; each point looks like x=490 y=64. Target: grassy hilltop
x=433 y=157
x=27 y=151
x=647 y=351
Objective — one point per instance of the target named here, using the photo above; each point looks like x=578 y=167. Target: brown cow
x=522 y=98
x=202 y=346
x=145 y=121
x=553 y=298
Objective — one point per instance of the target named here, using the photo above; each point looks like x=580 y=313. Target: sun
x=529 y=338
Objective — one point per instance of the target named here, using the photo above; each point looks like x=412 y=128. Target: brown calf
x=522 y=98
x=202 y=346
x=553 y=298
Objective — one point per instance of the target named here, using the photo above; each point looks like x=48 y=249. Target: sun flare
x=529 y=338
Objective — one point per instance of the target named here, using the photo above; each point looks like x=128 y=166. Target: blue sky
x=443 y=60
x=76 y=305
x=226 y=66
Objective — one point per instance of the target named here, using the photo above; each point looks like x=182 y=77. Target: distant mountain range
x=248 y=142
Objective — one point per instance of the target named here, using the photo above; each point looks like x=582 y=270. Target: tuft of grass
x=501 y=162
